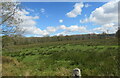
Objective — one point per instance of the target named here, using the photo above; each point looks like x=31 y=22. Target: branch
x=8 y=16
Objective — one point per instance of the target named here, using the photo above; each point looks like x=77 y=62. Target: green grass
x=61 y=59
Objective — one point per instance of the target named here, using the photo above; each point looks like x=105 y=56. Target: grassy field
x=60 y=58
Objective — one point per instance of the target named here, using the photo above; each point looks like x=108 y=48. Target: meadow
x=95 y=57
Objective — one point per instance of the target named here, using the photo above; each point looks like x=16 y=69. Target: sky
x=68 y=18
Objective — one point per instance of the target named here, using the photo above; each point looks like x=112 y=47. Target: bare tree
x=10 y=18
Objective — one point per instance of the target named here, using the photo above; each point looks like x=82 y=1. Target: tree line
x=20 y=40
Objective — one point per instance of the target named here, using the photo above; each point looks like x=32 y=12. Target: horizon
x=61 y=35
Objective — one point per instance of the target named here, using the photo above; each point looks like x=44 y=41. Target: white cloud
x=42 y=10
x=76 y=11
x=84 y=21
x=104 y=15
x=63 y=33
x=73 y=28
x=60 y=21
x=108 y=28
x=31 y=10
x=29 y=24
x=66 y=30
x=62 y=27
x=36 y=17
x=87 y=5
x=23 y=12
x=51 y=29
x=108 y=13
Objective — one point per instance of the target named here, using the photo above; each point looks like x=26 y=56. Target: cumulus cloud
x=107 y=28
x=29 y=24
x=60 y=21
x=67 y=30
x=108 y=13
x=104 y=15
x=62 y=27
x=51 y=29
x=76 y=11
x=73 y=28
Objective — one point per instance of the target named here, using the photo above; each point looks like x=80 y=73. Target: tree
x=118 y=33
x=10 y=18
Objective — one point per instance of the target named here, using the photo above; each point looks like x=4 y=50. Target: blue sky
x=67 y=18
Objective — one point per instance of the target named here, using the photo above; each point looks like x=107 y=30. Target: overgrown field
x=60 y=58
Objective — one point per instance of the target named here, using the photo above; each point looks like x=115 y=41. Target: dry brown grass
x=63 y=72
x=10 y=66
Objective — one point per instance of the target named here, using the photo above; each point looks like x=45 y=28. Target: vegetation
x=20 y=40
x=58 y=56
